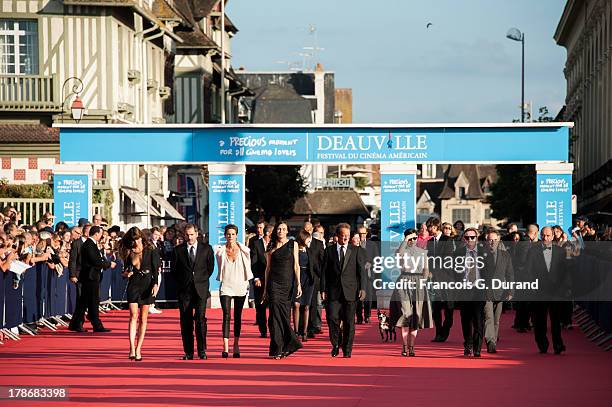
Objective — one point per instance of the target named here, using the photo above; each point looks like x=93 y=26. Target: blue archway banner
x=504 y=143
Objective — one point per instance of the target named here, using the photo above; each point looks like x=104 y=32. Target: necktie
x=192 y=255
x=342 y=248
x=472 y=269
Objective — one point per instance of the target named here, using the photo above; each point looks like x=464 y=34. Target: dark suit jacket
x=343 y=283
x=553 y=284
x=198 y=274
x=92 y=262
x=316 y=252
x=74 y=261
x=258 y=258
x=501 y=269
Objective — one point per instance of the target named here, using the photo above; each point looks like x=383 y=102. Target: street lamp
x=516 y=35
x=76 y=108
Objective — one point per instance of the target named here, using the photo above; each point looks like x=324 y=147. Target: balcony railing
x=29 y=92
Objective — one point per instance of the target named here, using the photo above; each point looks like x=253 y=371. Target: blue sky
x=461 y=69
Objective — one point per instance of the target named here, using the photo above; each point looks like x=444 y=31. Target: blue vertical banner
x=554 y=200
x=71 y=196
x=226 y=206
x=398 y=213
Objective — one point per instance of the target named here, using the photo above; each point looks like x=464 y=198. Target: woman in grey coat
x=410 y=308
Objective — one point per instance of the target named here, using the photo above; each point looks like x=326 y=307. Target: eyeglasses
x=471 y=237
x=447 y=228
x=412 y=239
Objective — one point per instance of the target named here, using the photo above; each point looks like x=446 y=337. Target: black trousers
x=192 y=311
x=342 y=310
x=74 y=324
x=541 y=311
x=443 y=327
x=521 y=316
x=260 y=309
x=472 y=324
x=226 y=306
x=90 y=302
x=314 y=318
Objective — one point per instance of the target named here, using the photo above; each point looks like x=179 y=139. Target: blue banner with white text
x=226 y=206
x=554 y=200
x=71 y=197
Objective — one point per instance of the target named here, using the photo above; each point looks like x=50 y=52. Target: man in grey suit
x=498 y=266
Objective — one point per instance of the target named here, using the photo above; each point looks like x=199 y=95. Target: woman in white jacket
x=234 y=265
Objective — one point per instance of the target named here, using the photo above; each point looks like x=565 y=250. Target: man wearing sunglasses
x=472 y=299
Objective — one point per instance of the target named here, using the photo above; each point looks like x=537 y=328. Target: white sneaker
x=153 y=310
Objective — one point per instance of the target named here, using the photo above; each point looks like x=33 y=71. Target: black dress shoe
x=491 y=348
x=367 y=320
x=236 y=355
x=360 y=322
x=542 y=351
x=263 y=335
x=102 y=330
x=79 y=329
x=311 y=335
x=335 y=351
x=476 y=354
x=559 y=349
x=346 y=354
x=224 y=355
x=203 y=356
x=187 y=357
x=467 y=351
x=318 y=330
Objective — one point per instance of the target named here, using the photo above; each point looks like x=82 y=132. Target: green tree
x=513 y=194
x=272 y=190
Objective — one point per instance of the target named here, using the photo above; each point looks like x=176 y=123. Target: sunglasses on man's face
x=470 y=237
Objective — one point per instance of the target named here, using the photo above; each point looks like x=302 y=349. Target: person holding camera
x=141 y=268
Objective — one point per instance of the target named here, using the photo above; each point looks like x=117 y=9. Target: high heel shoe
x=132 y=357
x=138 y=358
x=411 y=351
x=236 y=355
x=404 y=353
x=224 y=355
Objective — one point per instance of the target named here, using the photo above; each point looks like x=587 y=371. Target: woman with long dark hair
x=282 y=271
x=234 y=265
x=307 y=284
x=141 y=267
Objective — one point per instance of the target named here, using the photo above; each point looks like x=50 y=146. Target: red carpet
x=97 y=371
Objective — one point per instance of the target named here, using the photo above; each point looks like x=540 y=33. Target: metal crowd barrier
x=42 y=296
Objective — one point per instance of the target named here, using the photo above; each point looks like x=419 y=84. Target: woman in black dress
x=306 y=283
x=141 y=267
x=282 y=271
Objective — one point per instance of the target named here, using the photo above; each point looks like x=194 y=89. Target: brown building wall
x=344 y=104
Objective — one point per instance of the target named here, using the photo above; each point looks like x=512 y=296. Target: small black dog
x=387 y=332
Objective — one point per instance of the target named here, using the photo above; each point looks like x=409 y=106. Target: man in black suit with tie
x=547 y=263
x=343 y=281
x=317 y=251
x=192 y=268
x=92 y=264
x=439 y=246
x=258 y=247
x=471 y=304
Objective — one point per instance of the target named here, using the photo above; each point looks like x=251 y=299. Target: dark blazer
x=346 y=282
x=258 y=258
x=74 y=261
x=92 y=262
x=198 y=274
x=499 y=269
x=316 y=252
x=553 y=284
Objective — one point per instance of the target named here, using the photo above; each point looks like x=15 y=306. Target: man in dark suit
x=192 y=269
x=440 y=246
x=317 y=250
x=258 y=247
x=498 y=266
x=364 y=308
x=74 y=267
x=547 y=263
x=343 y=281
x=92 y=264
x=471 y=300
